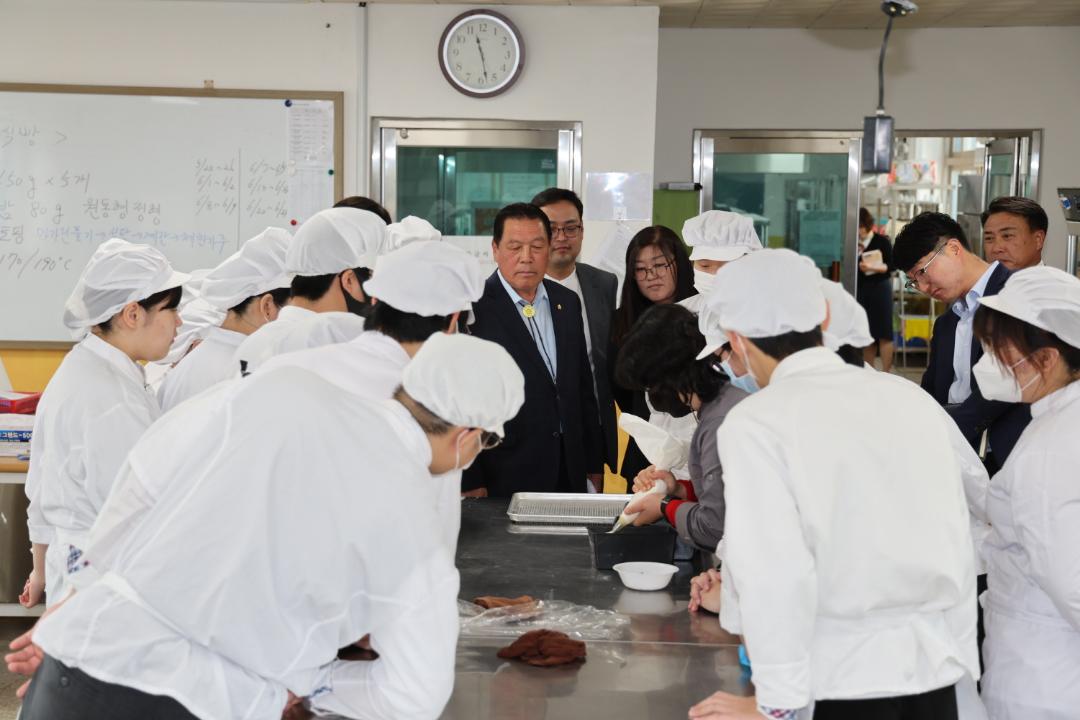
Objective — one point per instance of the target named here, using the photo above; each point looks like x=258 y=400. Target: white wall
x=940 y=79
x=263 y=46
x=596 y=65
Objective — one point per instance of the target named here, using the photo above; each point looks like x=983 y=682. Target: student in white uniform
x=250 y=287
x=1031 y=332
x=122 y=311
x=715 y=238
x=265 y=524
x=847 y=331
x=848 y=566
x=425 y=288
x=196 y=319
x=330 y=256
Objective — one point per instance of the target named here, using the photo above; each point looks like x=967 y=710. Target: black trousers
x=58 y=692
x=934 y=705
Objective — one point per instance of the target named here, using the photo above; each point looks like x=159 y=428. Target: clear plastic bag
x=581 y=622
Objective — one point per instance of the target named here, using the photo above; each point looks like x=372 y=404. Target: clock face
x=481 y=53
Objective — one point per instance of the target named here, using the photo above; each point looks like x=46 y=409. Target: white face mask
x=703 y=281
x=997 y=382
x=457 y=453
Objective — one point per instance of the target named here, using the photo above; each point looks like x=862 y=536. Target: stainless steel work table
x=667 y=660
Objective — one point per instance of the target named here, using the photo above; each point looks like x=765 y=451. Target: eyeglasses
x=643 y=273
x=570 y=232
x=489 y=440
x=915 y=279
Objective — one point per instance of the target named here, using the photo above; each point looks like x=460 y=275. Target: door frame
x=387 y=133
x=708 y=142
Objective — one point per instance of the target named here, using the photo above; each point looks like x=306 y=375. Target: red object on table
x=19 y=403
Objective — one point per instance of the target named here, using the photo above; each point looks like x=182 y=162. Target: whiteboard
x=191 y=174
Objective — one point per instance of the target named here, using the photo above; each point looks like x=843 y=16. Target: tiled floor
x=10 y=628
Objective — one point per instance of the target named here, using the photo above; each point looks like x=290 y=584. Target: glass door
x=458 y=174
x=801 y=189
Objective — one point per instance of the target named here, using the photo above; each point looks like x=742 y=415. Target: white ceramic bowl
x=645 y=575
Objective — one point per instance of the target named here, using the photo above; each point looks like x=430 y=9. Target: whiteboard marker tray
x=566 y=508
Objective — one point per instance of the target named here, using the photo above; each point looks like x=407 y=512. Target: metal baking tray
x=566 y=508
x=546 y=529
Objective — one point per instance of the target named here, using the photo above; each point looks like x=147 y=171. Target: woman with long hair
x=658 y=272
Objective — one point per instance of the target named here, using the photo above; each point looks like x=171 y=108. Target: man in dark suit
x=553 y=445
x=596 y=289
x=933 y=252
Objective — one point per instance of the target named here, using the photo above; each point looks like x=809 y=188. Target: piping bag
x=659 y=447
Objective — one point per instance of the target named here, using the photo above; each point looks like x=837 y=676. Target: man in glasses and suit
x=934 y=253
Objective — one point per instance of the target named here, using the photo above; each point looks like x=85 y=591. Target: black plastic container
x=648 y=543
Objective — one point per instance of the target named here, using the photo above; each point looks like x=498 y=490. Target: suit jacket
x=599 y=287
x=1005 y=421
x=528 y=458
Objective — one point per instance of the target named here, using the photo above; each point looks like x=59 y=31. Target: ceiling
x=824 y=14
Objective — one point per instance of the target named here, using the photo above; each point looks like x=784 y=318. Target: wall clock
x=481 y=53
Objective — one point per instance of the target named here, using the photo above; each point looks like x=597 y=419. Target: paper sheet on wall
x=310 y=157
x=618 y=196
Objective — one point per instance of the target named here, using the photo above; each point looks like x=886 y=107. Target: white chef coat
x=295 y=329
x=847 y=540
x=93 y=411
x=208 y=364
x=694 y=303
x=371 y=367
x=242 y=548
x=1032 y=606
x=261 y=345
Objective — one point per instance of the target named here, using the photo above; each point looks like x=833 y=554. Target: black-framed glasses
x=569 y=231
x=915 y=279
x=489 y=440
x=645 y=272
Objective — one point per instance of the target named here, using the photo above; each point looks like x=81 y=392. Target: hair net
x=709 y=325
x=335 y=240
x=768 y=293
x=848 y=324
x=256 y=268
x=720 y=235
x=466 y=381
x=1045 y=297
x=118 y=273
x=427 y=277
x=409 y=230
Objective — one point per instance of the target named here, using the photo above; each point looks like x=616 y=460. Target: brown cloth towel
x=491 y=601
x=545 y=648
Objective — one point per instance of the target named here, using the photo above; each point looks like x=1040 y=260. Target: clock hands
x=483 y=63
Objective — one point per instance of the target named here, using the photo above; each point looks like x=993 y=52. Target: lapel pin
x=558 y=307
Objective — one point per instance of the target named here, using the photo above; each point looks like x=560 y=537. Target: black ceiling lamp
x=877 y=147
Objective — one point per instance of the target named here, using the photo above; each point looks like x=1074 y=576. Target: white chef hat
x=335 y=240
x=1045 y=297
x=767 y=293
x=427 y=277
x=118 y=273
x=720 y=235
x=466 y=381
x=409 y=230
x=848 y=324
x=256 y=268
x=709 y=325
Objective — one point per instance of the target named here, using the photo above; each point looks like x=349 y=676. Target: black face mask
x=667 y=401
x=356 y=307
